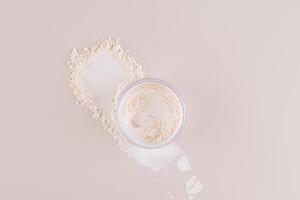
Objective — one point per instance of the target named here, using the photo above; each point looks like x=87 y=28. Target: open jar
x=150 y=113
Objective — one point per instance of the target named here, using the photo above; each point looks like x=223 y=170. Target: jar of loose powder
x=150 y=113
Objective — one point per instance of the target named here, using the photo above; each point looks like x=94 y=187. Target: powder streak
x=168 y=162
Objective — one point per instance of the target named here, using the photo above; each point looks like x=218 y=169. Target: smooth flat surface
x=236 y=64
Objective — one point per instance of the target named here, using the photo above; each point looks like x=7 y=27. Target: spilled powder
x=150 y=113
x=170 y=163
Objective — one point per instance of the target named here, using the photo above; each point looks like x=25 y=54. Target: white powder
x=159 y=159
x=150 y=113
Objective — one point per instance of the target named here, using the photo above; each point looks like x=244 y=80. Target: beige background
x=236 y=64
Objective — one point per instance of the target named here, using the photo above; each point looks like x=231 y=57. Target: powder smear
x=169 y=161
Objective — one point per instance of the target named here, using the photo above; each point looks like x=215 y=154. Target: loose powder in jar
x=150 y=113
